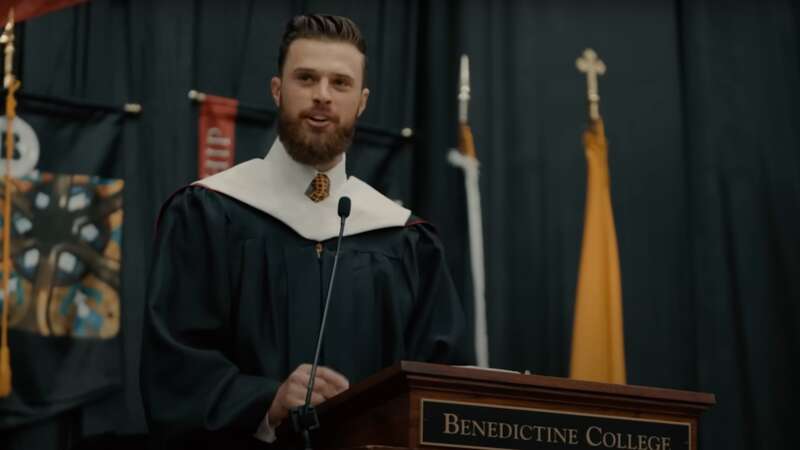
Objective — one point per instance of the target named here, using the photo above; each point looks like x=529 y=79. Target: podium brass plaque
x=496 y=427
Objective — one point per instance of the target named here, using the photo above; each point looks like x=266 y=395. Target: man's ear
x=363 y=101
x=275 y=89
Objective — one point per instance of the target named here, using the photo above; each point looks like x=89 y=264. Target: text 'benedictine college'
x=495 y=426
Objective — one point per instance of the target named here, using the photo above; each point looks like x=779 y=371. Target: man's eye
x=305 y=77
x=341 y=82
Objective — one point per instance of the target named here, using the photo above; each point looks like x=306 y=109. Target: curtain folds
x=700 y=107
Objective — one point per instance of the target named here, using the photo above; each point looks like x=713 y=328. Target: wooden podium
x=421 y=405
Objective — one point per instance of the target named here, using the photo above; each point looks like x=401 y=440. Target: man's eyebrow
x=310 y=70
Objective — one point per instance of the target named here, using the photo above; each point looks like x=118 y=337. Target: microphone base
x=304 y=418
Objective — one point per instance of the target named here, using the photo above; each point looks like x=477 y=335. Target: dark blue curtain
x=700 y=105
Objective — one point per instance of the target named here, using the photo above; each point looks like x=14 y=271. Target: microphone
x=304 y=418
x=344 y=211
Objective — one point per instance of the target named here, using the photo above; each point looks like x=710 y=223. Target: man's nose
x=322 y=92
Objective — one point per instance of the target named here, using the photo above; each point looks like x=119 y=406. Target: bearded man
x=243 y=258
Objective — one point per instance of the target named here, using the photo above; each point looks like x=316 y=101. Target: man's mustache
x=318 y=113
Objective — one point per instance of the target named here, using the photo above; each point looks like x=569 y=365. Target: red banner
x=27 y=9
x=216 y=135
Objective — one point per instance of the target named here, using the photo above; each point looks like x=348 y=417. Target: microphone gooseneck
x=344 y=212
x=305 y=418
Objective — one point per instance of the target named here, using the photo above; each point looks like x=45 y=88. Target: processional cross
x=592 y=66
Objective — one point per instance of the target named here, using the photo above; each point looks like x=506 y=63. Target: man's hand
x=292 y=393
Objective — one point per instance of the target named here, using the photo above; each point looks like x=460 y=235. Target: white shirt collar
x=298 y=176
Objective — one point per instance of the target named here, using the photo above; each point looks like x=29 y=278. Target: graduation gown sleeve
x=188 y=377
x=437 y=330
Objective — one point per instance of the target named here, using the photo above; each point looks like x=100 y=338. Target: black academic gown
x=235 y=301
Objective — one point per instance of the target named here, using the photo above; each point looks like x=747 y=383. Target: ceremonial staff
x=11 y=84
x=466 y=159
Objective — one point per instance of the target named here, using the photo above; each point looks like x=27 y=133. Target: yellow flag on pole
x=598 y=348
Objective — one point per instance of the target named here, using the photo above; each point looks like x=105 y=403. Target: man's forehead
x=325 y=55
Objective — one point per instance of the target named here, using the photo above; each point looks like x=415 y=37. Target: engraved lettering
x=573 y=436
x=479 y=428
x=621 y=443
x=529 y=429
x=589 y=440
x=492 y=429
x=466 y=429
x=450 y=423
x=511 y=427
x=609 y=440
x=560 y=436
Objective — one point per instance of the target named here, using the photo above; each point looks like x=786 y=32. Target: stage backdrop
x=699 y=103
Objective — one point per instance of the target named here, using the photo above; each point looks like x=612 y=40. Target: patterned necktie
x=319 y=189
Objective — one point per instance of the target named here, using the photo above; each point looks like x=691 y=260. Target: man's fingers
x=321 y=385
x=296 y=396
x=337 y=381
x=292 y=393
x=316 y=399
x=299 y=377
x=328 y=390
x=328 y=383
x=296 y=392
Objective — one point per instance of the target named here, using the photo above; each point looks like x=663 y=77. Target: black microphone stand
x=304 y=418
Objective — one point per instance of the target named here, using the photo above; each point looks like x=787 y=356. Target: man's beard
x=311 y=148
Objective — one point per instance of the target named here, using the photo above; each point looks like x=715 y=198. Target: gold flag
x=598 y=347
x=598 y=351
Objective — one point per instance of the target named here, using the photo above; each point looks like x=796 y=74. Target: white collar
x=296 y=177
x=277 y=184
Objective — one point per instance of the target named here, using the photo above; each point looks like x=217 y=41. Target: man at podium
x=243 y=259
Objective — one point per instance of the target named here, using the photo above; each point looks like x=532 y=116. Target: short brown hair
x=323 y=27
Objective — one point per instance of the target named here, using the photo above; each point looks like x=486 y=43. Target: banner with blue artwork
x=66 y=233
x=65 y=289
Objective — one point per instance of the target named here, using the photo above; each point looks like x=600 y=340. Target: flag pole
x=11 y=84
x=598 y=347
x=466 y=159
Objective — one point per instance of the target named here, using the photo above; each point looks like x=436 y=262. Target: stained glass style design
x=66 y=236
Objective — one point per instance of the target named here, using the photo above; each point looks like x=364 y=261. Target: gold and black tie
x=319 y=189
